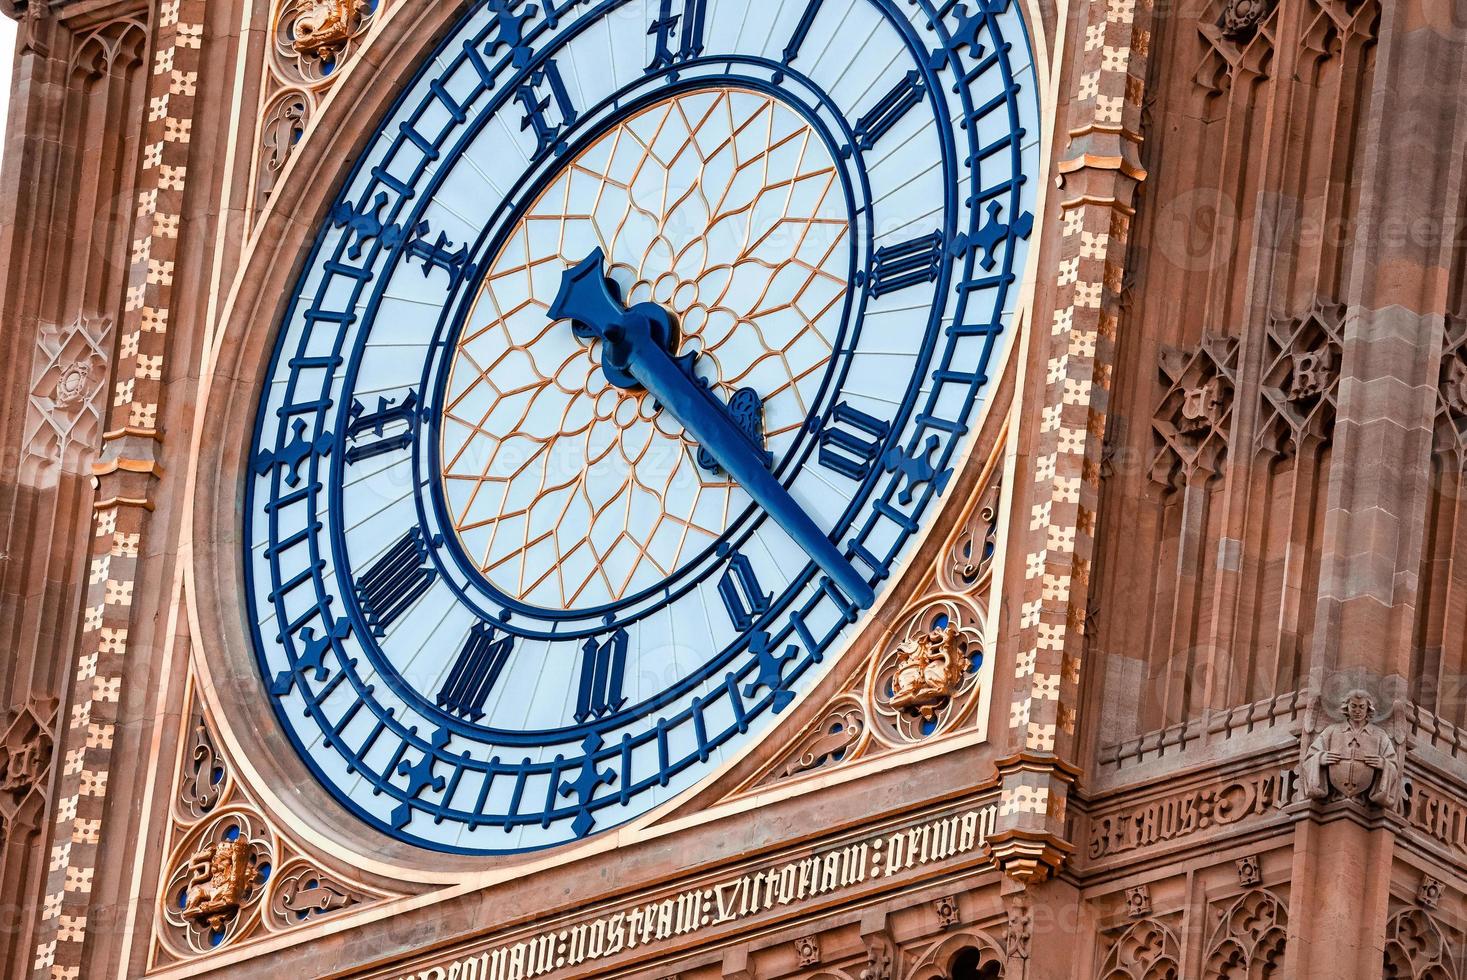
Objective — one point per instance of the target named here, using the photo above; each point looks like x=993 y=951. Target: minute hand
x=635 y=352
x=710 y=426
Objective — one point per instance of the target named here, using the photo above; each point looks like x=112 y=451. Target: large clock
x=637 y=349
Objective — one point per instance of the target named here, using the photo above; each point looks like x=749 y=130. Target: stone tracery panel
x=925 y=679
x=1145 y=950
x=1417 y=947
x=310 y=43
x=1249 y=940
x=231 y=874
x=1207 y=599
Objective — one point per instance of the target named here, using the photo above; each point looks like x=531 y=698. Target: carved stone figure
x=220 y=875
x=325 y=24
x=1354 y=758
x=929 y=668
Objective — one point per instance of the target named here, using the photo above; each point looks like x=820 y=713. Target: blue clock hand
x=635 y=354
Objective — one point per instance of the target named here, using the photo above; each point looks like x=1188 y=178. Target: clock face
x=632 y=358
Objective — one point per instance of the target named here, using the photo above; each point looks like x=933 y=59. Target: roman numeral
x=851 y=444
x=398 y=579
x=802 y=31
x=479 y=665
x=896 y=267
x=603 y=669
x=689 y=27
x=537 y=114
x=889 y=111
x=364 y=423
x=742 y=597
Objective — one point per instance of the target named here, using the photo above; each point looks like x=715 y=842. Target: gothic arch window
x=1249 y=941
x=1417 y=949
x=970 y=965
x=1146 y=950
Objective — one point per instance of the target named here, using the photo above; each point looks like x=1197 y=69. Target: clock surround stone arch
x=270 y=264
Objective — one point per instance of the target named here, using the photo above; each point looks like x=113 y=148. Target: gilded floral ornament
x=219 y=871
x=220 y=876
x=325 y=26
x=927 y=681
x=928 y=669
x=314 y=38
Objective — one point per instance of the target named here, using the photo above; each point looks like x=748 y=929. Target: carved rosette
x=926 y=683
x=64 y=423
x=218 y=874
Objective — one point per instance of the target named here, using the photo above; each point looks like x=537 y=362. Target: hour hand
x=587 y=299
x=636 y=352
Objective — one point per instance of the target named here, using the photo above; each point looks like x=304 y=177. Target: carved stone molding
x=1334 y=24
x=1249 y=940
x=962 y=953
x=1138 y=902
x=840 y=734
x=301 y=892
x=1146 y=950
x=205 y=779
x=68 y=381
x=1018 y=935
x=970 y=556
x=110 y=48
x=1193 y=421
x=282 y=125
x=883 y=956
x=1450 y=435
x=1250 y=874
